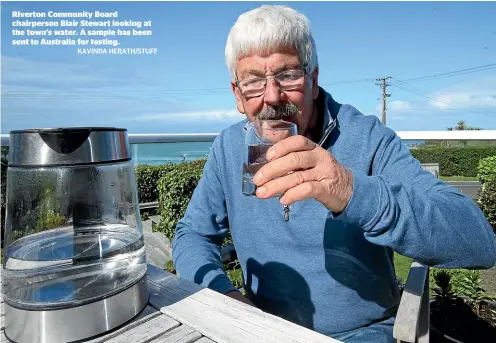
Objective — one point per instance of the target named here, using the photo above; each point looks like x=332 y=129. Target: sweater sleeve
x=199 y=234
x=404 y=207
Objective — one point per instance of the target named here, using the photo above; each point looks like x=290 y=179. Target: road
x=468 y=187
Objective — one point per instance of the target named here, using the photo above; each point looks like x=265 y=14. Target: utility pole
x=383 y=84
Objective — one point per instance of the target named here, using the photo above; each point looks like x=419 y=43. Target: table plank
x=182 y=334
x=219 y=317
x=147 y=331
x=147 y=314
x=148 y=311
x=204 y=340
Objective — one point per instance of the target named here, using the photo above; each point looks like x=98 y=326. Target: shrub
x=454 y=161
x=487 y=202
x=236 y=277
x=147 y=180
x=175 y=189
x=444 y=291
x=486 y=169
x=233 y=272
x=464 y=283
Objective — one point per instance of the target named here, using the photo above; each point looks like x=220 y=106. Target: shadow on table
x=281 y=291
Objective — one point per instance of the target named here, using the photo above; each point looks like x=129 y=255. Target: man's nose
x=272 y=94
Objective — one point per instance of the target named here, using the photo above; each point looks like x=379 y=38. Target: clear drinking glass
x=261 y=135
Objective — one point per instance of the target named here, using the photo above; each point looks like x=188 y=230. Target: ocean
x=162 y=153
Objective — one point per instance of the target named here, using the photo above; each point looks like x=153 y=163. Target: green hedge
x=487 y=202
x=487 y=169
x=147 y=178
x=487 y=196
x=175 y=190
x=454 y=161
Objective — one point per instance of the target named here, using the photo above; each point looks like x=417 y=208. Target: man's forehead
x=260 y=65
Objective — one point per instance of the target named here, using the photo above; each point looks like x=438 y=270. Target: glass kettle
x=75 y=263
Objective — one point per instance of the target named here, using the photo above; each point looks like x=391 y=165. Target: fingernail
x=270 y=154
x=261 y=190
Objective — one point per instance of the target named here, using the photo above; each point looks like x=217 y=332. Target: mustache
x=278 y=112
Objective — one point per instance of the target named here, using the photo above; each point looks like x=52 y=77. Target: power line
x=151 y=94
x=347 y=81
x=452 y=73
x=437 y=100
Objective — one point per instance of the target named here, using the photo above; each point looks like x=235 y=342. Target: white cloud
x=395 y=107
x=214 y=115
x=399 y=105
x=480 y=99
x=474 y=95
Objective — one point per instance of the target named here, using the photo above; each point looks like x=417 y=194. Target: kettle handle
x=65 y=141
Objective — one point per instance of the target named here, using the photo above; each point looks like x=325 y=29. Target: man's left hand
x=301 y=169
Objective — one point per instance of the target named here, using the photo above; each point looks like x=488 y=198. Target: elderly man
x=322 y=254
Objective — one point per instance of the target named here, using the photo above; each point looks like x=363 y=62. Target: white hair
x=268 y=29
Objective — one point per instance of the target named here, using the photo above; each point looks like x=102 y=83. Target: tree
x=460 y=126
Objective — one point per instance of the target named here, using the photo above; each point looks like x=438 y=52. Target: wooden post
x=383 y=85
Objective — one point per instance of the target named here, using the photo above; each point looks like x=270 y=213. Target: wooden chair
x=413 y=317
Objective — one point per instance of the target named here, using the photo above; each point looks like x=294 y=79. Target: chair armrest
x=412 y=320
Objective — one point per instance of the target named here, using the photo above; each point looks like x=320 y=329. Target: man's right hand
x=240 y=297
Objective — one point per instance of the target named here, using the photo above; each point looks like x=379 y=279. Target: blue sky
x=185 y=86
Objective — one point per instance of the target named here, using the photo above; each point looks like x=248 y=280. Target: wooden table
x=181 y=311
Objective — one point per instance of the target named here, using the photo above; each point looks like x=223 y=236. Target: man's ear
x=315 y=83
x=238 y=97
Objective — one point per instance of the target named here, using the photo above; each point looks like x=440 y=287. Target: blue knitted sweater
x=326 y=272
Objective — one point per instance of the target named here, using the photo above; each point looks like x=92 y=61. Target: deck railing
x=412 y=322
x=147 y=138
x=161 y=156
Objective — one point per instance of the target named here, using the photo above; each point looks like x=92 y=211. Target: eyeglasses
x=286 y=80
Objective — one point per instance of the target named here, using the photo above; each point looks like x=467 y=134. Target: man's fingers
x=280 y=185
x=307 y=190
x=289 y=163
x=290 y=144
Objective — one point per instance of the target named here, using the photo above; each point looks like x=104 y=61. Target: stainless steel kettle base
x=75 y=323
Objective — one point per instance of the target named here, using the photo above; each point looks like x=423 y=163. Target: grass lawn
x=402 y=265
x=459 y=178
